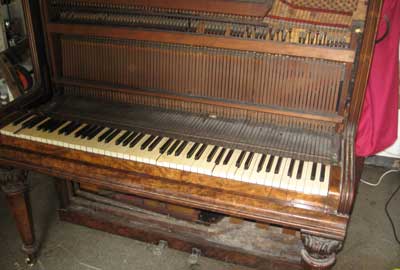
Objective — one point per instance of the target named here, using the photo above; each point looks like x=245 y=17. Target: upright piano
x=225 y=127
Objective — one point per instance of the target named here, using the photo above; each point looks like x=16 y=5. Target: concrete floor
x=370 y=243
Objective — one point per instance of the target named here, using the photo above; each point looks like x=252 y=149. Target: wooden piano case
x=283 y=77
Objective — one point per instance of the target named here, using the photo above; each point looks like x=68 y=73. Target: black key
x=269 y=164
x=147 y=142
x=313 y=171
x=155 y=143
x=129 y=139
x=166 y=145
x=278 y=165
x=80 y=131
x=72 y=128
x=56 y=126
x=95 y=132
x=123 y=137
x=181 y=148
x=192 y=150
x=240 y=159
x=248 y=161
x=261 y=163
x=220 y=155
x=61 y=131
x=322 y=176
x=300 y=170
x=33 y=122
x=136 y=140
x=200 y=152
x=53 y=125
x=212 y=153
x=105 y=134
x=173 y=147
x=228 y=157
x=112 y=136
x=28 y=122
x=44 y=124
x=88 y=131
x=290 y=171
x=21 y=119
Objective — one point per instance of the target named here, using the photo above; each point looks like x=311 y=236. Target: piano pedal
x=159 y=249
x=194 y=257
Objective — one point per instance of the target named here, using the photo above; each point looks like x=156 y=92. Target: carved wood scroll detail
x=13 y=181
x=319 y=252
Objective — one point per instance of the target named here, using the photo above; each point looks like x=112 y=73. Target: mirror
x=16 y=71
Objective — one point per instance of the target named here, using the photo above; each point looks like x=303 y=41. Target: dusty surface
x=370 y=243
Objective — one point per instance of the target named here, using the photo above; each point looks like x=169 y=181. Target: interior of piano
x=216 y=64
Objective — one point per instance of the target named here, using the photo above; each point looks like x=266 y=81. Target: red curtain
x=377 y=129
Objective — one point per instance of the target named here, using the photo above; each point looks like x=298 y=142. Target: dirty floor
x=370 y=244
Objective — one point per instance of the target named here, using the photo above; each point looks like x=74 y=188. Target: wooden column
x=13 y=183
x=319 y=253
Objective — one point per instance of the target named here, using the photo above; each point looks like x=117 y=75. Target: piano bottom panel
x=261 y=247
x=264 y=204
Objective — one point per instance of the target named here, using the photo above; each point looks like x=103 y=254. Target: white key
x=301 y=182
x=10 y=128
x=92 y=146
x=292 y=180
x=285 y=180
x=194 y=166
x=240 y=171
x=247 y=176
x=165 y=160
x=110 y=148
x=308 y=185
x=53 y=137
x=59 y=139
x=188 y=162
x=121 y=151
x=316 y=185
x=259 y=177
x=201 y=165
x=135 y=153
x=144 y=155
x=270 y=174
x=324 y=186
x=276 y=179
x=220 y=170
x=32 y=133
x=232 y=164
x=179 y=162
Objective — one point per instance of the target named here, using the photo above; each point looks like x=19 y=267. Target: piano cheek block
x=250 y=118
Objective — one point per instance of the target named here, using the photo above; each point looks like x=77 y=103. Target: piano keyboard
x=256 y=168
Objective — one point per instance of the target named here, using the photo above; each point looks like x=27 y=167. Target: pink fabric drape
x=378 y=124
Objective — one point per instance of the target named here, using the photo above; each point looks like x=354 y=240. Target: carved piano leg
x=13 y=183
x=319 y=253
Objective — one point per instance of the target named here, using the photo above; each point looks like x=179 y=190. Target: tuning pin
x=344 y=43
x=324 y=39
x=271 y=33
x=320 y=39
x=312 y=38
x=284 y=35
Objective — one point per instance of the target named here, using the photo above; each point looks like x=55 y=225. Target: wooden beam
x=333 y=54
x=203 y=100
x=242 y=8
